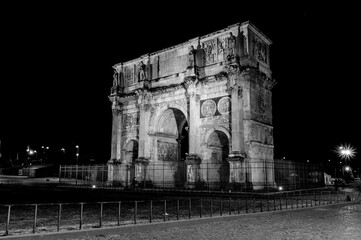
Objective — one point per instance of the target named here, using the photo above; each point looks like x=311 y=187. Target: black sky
x=57 y=69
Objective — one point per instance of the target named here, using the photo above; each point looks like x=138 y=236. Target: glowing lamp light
x=280 y=188
x=346 y=152
x=347 y=168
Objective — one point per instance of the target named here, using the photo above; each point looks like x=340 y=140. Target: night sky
x=57 y=59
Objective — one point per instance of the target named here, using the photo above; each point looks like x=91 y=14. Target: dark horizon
x=58 y=72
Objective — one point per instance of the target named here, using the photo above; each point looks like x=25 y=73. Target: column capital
x=190 y=83
x=193 y=159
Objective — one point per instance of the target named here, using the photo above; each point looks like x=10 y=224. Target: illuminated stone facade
x=205 y=104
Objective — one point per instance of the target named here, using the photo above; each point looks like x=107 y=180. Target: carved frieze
x=221 y=47
x=260 y=49
x=167 y=151
x=129 y=75
x=210 y=49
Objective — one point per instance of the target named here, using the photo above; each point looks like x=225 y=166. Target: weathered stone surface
x=208 y=99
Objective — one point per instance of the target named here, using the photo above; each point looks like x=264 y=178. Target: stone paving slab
x=339 y=221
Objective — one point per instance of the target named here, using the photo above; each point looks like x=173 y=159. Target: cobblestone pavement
x=324 y=222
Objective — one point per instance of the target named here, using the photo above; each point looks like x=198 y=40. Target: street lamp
x=77 y=154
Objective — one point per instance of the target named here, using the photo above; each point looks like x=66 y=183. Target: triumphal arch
x=195 y=114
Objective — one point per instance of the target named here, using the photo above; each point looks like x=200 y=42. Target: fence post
x=211 y=207
x=119 y=208
x=238 y=207
x=101 y=215
x=151 y=211
x=177 y=209
x=59 y=217
x=221 y=207
x=200 y=211
x=189 y=208
x=274 y=202
x=229 y=206
x=261 y=205
x=267 y=201
x=35 y=217
x=59 y=174
x=246 y=203
x=135 y=211
x=165 y=210
x=280 y=203
x=76 y=175
x=8 y=221
x=81 y=216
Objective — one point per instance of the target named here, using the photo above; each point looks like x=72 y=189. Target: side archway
x=217 y=148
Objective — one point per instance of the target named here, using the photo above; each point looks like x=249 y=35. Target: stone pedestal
x=237 y=173
x=116 y=173
x=193 y=168
x=140 y=165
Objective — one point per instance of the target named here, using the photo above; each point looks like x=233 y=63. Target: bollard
x=268 y=202
x=210 y=207
x=59 y=217
x=35 y=217
x=151 y=211
x=8 y=221
x=261 y=205
x=119 y=209
x=286 y=203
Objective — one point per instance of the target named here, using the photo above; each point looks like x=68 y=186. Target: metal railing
x=19 y=219
x=260 y=174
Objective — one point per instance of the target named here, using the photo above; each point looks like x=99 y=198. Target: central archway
x=172 y=147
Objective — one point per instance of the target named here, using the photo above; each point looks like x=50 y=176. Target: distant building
x=197 y=112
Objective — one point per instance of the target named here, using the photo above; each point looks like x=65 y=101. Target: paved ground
x=326 y=222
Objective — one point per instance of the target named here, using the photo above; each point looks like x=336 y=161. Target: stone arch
x=159 y=111
x=216 y=151
x=212 y=130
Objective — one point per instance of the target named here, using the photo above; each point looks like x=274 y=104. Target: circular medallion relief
x=208 y=108
x=224 y=105
x=128 y=121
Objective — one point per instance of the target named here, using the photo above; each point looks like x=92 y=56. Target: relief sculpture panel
x=167 y=151
x=210 y=51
